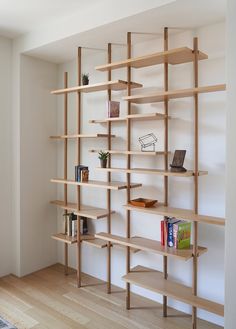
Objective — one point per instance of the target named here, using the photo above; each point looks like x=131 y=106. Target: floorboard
x=49 y=299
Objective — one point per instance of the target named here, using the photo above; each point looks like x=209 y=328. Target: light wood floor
x=48 y=299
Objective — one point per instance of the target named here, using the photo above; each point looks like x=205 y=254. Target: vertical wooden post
x=109 y=54
x=65 y=164
x=78 y=162
x=128 y=167
x=166 y=110
x=195 y=236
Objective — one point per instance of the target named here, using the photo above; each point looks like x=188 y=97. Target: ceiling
x=21 y=16
x=182 y=13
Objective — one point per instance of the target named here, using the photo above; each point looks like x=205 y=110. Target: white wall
x=37 y=165
x=230 y=264
x=211 y=157
x=6 y=222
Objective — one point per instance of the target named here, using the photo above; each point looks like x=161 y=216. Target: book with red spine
x=162 y=233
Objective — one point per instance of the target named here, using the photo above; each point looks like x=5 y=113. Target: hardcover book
x=182 y=234
x=170 y=236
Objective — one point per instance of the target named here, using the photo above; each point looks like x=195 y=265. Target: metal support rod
x=128 y=167
x=166 y=110
x=195 y=235
x=65 y=165
x=109 y=54
x=78 y=162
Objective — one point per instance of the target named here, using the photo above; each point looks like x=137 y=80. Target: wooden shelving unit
x=77 y=208
x=147 y=278
x=159 y=282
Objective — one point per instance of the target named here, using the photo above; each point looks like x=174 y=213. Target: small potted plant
x=85 y=79
x=103 y=156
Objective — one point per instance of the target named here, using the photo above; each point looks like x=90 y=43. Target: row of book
x=72 y=225
x=81 y=173
x=175 y=233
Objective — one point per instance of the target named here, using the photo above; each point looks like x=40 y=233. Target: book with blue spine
x=170 y=230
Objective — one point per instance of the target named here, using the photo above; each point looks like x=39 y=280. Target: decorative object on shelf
x=148 y=142
x=142 y=202
x=83 y=225
x=71 y=219
x=84 y=175
x=78 y=172
x=178 y=161
x=103 y=156
x=113 y=109
x=85 y=79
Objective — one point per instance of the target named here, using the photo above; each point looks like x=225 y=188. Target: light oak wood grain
x=161 y=172
x=179 y=213
x=53 y=300
x=131 y=152
x=154 y=281
x=85 y=211
x=108 y=85
x=172 y=94
x=150 y=245
x=92 y=183
x=142 y=117
x=173 y=56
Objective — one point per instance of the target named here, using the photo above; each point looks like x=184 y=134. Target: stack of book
x=175 y=233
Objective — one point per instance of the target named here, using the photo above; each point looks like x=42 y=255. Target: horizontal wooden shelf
x=70 y=239
x=185 y=214
x=122 y=247
x=131 y=152
x=172 y=94
x=86 y=211
x=99 y=184
x=173 y=56
x=145 y=116
x=154 y=281
x=75 y=136
x=115 y=85
x=150 y=245
x=86 y=238
x=188 y=173
x=97 y=243
x=64 y=238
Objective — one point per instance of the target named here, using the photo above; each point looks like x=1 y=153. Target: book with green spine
x=182 y=234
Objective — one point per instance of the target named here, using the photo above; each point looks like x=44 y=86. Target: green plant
x=103 y=155
x=85 y=78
